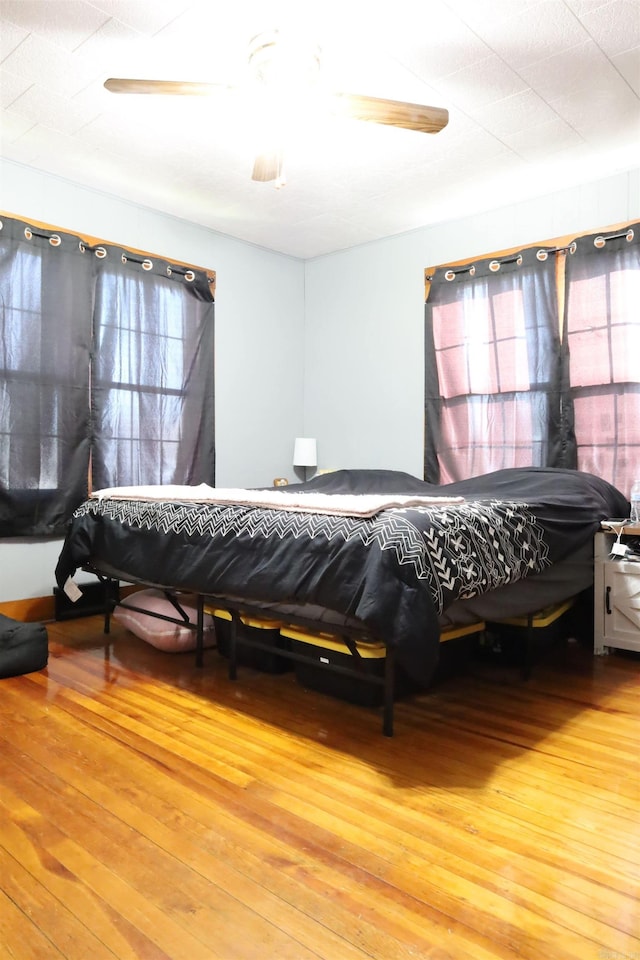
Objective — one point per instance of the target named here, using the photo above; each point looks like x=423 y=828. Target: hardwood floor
x=155 y=811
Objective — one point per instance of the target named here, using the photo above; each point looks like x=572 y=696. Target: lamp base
x=302 y=475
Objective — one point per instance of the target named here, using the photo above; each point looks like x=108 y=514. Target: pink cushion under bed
x=170 y=637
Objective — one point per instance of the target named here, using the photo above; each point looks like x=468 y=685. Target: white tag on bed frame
x=72 y=590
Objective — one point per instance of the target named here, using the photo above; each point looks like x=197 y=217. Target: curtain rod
x=496 y=263
x=494 y=266
x=567 y=244
x=600 y=241
x=35 y=228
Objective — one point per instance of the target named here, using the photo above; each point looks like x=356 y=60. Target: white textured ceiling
x=541 y=94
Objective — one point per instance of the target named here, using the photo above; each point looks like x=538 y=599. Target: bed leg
x=200 y=632
x=109 y=603
x=233 y=650
x=389 y=683
x=528 y=649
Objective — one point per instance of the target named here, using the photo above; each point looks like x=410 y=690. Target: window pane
x=153 y=381
x=590 y=359
x=454 y=375
x=608 y=431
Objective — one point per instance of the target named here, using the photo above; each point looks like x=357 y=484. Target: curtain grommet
x=147 y=265
x=100 y=253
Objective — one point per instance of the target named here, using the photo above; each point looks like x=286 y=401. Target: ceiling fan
x=284 y=72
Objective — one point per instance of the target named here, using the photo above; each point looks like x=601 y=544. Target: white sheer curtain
x=152 y=378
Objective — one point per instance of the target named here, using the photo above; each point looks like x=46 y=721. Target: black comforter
x=395 y=572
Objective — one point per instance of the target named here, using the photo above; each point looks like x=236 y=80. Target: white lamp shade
x=305 y=452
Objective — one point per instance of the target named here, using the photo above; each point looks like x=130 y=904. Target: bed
x=375 y=550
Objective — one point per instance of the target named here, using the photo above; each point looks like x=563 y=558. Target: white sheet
x=347 y=505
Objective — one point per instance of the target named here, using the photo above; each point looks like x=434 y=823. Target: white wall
x=356 y=317
x=365 y=319
x=259 y=339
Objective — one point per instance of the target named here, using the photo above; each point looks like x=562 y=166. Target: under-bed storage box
x=93 y=600
x=261 y=630
x=456 y=648
x=323 y=650
x=516 y=638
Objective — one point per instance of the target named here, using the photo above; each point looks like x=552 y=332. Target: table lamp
x=305 y=453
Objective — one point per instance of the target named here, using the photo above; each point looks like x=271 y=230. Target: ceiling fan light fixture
x=285 y=96
x=268 y=166
x=284 y=62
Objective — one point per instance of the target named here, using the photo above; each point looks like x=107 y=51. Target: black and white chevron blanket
x=396 y=571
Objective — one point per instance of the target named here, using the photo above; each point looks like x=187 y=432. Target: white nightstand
x=616 y=591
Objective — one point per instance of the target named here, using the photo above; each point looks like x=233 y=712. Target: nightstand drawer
x=622 y=601
x=616 y=598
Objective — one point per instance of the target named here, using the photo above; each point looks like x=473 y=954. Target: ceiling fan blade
x=268 y=166
x=395 y=113
x=178 y=88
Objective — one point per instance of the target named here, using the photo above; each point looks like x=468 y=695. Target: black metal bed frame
x=237 y=608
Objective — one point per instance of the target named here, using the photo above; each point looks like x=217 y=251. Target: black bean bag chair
x=24 y=647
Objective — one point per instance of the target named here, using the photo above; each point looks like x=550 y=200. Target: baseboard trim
x=41 y=608
x=31 y=610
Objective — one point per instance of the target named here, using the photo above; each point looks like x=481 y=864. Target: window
x=492 y=336
x=106 y=375
x=152 y=382
x=504 y=389
x=603 y=337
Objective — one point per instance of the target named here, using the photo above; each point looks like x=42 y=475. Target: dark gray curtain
x=494 y=369
x=602 y=331
x=152 y=376
x=45 y=302
x=106 y=375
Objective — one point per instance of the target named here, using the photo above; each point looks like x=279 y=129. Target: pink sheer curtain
x=493 y=369
x=602 y=330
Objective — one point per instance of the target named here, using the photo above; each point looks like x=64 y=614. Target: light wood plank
x=44 y=897
x=173 y=813
x=20 y=937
